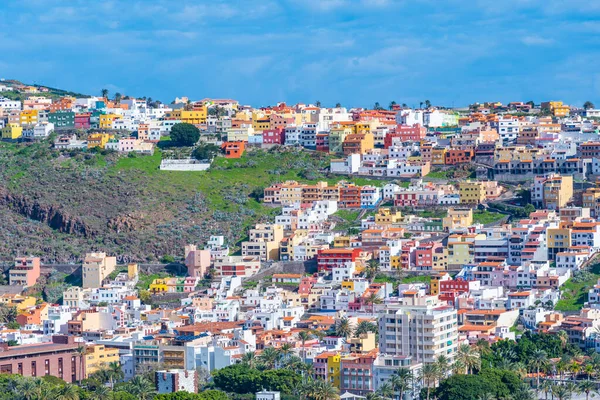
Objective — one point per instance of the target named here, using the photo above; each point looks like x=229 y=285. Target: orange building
x=358 y=143
x=457 y=156
x=233 y=149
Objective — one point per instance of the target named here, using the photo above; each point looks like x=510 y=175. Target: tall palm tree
x=386 y=391
x=377 y=106
x=374 y=396
x=80 y=352
x=469 y=357
x=304 y=337
x=115 y=373
x=318 y=104
x=564 y=338
x=539 y=359
x=249 y=359
x=428 y=374
x=338 y=105
x=574 y=368
x=546 y=387
x=343 y=328
x=421 y=105
x=365 y=327
x=392 y=105
x=28 y=388
x=141 y=387
x=105 y=93
x=427 y=104
x=118 y=97
x=588 y=387
x=443 y=365
x=372 y=299
x=372 y=269
x=572 y=388
x=401 y=381
x=286 y=350
x=269 y=357
x=588 y=105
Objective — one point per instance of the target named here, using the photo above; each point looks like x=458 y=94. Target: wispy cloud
x=535 y=40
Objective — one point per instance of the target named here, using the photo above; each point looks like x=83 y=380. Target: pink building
x=424 y=255
x=127 y=144
x=25 y=272
x=82 y=121
x=197 y=261
x=273 y=136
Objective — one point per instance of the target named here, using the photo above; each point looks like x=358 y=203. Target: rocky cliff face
x=52 y=215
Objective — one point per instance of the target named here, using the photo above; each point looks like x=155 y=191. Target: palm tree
x=338 y=105
x=118 y=97
x=141 y=387
x=324 y=390
x=365 y=327
x=564 y=338
x=487 y=396
x=572 y=388
x=539 y=359
x=343 y=328
x=304 y=337
x=372 y=299
x=80 y=352
x=392 y=105
x=560 y=392
x=427 y=104
x=249 y=359
x=443 y=364
x=469 y=357
x=269 y=357
x=69 y=392
x=29 y=389
x=374 y=396
x=386 y=391
x=421 y=105
x=546 y=387
x=377 y=106
x=587 y=387
x=588 y=105
x=404 y=105
x=100 y=393
x=318 y=104
x=372 y=269
x=105 y=93
x=574 y=368
x=401 y=381
x=428 y=374
x=115 y=373
x=286 y=350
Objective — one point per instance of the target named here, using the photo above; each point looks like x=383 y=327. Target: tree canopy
x=184 y=134
x=205 y=151
x=240 y=379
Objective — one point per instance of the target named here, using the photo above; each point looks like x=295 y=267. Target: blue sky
x=451 y=52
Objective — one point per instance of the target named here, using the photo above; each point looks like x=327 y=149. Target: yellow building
x=196 y=116
x=557 y=190
x=364 y=343
x=99 y=357
x=396 y=262
x=12 y=131
x=106 y=120
x=434 y=284
x=558 y=240
x=471 y=192
x=29 y=117
x=18 y=301
x=591 y=200
x=333 y=369
x=261 y=124
x=159 y=286
x=557 y=108
x=341 y=242
x=461 y=248
x=457 y=218
x=98 y=140
x=440 y=260
x=386 y=216
x=438 y=156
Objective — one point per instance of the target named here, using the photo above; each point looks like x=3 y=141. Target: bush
x=184 y=134
x=205 y=152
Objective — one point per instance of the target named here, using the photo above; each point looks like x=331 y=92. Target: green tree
x=105 y=93
x=428 y=375
x=118 y=97
x=318 y=104
x=588 y=387
x=588 y=105
x=338 y=105
x=469 y=357
x=343 y=328
x=365 y=327
x=269 y=357
x=427 y=104
x=250 y=359
x=377 y=106
x=372 y=299
x=386 y=391
x=206 y=151
x=184 y=134
x=392 y=105
x=141 y=387
x=304 y=337
x=401 y=381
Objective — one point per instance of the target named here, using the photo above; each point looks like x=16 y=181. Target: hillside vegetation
x=62 y=205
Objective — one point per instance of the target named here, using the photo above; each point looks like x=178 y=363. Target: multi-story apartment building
x=553 y=191
x=423 y=328
x=25 y=272
x=96 y=268
x=264 y=242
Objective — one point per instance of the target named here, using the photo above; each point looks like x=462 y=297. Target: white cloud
x=535 y=40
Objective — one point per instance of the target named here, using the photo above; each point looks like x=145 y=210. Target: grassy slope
x=574 y=293
x=158 y=212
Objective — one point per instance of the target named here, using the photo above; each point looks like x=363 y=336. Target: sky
x=355 y=52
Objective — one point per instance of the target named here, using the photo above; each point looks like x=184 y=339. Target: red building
x=306 y=284
x=405 y=133
x=329 y=258
x=425 y=253
x=58 y=358
x=451 y=289
x=458 y=156
x=322 y=142
x=356 y=373
x=82 y=121
x=349 y=196
x=274 y=136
